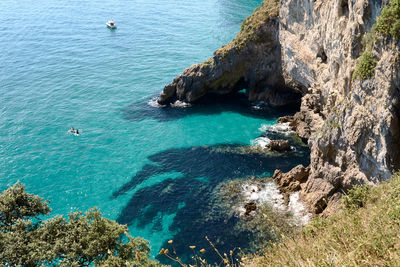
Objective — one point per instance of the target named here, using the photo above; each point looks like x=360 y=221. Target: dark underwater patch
x=211 y=105
x=199 y=217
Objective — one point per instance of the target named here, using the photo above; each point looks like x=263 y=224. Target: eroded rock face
x=251 y=61
x=352 y=126
x=291 y=181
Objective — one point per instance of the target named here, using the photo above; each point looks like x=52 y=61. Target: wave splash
x=268 y=193
x=177 y=104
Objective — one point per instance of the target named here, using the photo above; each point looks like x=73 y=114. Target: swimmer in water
x=77 y=132
x=71 y=130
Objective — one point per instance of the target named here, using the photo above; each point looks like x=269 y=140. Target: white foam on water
x=269 y=193
x=256 y=107
x=298 y=209
x=180 y=104
x=261 y=141
x=260 y=105
x=250 y=191
x=283 y=128
x=153 y=103
x=264 y=127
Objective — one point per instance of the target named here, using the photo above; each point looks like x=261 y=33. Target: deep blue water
x=61 y=68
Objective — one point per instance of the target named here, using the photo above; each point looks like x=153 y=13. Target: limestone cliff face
x=251 y=61
x=312 y=46
x=353 y=126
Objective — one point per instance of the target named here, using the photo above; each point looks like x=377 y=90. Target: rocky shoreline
x=309 y=50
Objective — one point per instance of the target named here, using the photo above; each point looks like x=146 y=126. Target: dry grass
x=358 y=235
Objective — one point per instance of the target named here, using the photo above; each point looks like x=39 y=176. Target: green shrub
x=388 y=23
x=365 y=66
x=395 y=30
x=356 y=197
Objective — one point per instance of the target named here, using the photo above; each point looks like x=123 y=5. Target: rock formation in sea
x=252 y=61
x=310 y=48
x=279 y=145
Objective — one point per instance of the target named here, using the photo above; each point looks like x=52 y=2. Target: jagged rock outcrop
x=298 y=123
x=279 y=145
x=291 y=181
x=252 y=61
x=353 y=126
x=250 y=207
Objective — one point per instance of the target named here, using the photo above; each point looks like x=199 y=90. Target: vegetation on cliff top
x=251 y=25
x=82 y=240
x=365 y=232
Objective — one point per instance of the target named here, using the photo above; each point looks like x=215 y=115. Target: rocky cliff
x=312 y=47
x=252 y=61
x=353 y=123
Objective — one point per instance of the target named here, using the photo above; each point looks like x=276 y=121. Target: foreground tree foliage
x=81 y=240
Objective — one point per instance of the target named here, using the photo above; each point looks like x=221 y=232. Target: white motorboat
x=111 y=25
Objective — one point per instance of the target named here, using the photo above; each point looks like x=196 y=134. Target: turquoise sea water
x=61 y=67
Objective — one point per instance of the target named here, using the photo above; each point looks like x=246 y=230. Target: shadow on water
x=211 y=105
x=202 y=168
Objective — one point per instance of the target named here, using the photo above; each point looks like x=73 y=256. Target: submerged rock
x=259 y=208
x=250 y=206
x=279 y=145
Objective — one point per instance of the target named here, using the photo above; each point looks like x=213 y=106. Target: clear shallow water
x=61 y=68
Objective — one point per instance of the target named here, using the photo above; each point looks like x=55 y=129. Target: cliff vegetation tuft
x=388 y=23
x=365 y=67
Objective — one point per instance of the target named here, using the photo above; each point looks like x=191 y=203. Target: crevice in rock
x=322 y=55
x=336 y=68
x=344 y=8
x=393 y=157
